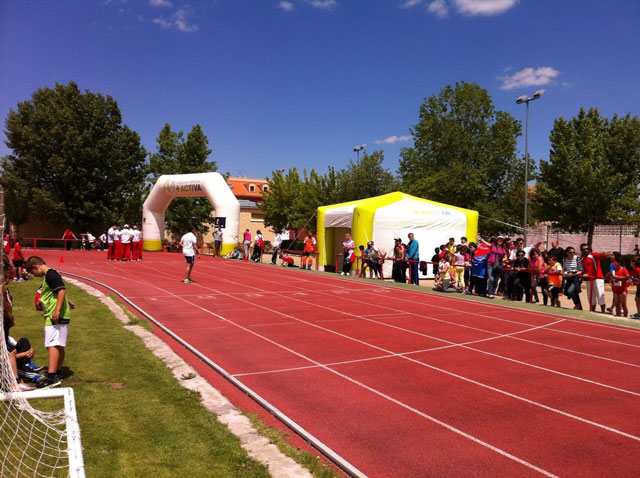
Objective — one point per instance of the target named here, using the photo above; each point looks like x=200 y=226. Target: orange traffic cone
x=61 y=260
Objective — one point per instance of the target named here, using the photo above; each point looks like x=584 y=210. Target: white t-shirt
x=111 y=234
x=514 y=252
x=125 y=236
x=136 y=235
x=188 y=241
x=116 y=235
x=277 y=241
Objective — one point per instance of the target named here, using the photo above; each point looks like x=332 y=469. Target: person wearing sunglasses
x=572 y=276
x=522 y=279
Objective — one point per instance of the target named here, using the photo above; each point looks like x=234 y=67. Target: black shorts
x=18 y=263
x=555 y=291
x=189 y=259
x=638 y=290
x=308 y=254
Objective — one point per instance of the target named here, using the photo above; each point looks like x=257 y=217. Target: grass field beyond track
x=135 y=419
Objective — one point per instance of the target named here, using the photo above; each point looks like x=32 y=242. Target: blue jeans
x=492 y=279
x=414 y=273
x=572 y=290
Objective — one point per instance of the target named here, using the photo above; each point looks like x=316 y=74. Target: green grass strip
x=135 y=419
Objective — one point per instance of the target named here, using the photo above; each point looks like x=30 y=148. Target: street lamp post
x=357 y=149
x=526 y=99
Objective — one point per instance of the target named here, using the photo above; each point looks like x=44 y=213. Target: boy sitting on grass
x=8 y=322
x=56 y=315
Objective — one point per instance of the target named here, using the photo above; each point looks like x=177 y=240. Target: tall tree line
x=74 y=162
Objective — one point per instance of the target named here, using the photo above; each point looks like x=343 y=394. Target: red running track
x=404 y=383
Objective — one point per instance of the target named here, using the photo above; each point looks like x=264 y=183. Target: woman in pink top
x=246 y=242
x=497 y=255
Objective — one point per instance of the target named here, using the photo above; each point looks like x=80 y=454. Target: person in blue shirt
x=413 y=254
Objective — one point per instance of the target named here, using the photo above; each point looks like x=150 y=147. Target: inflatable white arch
x=167 y=187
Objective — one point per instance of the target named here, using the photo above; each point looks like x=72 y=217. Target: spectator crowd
x=506 y=268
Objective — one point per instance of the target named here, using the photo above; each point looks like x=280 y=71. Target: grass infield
x=135 y=419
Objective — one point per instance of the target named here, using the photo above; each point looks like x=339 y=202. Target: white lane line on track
x=334 y=320
x=377 y=392
x=501 y=308
x=448 y=310
x=464 y=345
x=438 y=369
x=189 y=329
x=386 y=288
x=510 y=336
x=399 y=311
x=274 y=323
x=428 y=317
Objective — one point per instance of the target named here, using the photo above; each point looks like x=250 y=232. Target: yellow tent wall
x=363 y=217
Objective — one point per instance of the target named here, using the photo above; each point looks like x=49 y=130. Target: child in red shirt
x=287 y=261
x=18 y=260
x=620 y=285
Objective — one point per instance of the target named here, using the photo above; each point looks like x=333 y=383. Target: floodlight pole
x=357 y=149
x=526 y=174
x=526 y=99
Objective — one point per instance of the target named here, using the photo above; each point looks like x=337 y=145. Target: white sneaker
x=22 y=387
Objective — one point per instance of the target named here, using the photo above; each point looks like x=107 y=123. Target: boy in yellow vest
x=56 y=315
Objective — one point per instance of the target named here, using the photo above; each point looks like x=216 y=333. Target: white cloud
x=439 y=7
x=286 y=6
x=529 y=77
x=484 y=7
x=182 y=23
x=323 y=4
x=179 y=20
x=467 y=7
x=162 y=22
x=394 y=139
x=410 y=3
x=160 y=3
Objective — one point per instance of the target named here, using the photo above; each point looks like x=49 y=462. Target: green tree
x=177 y=155
x=316 y=190
x=280 y=198
x=364 y=178
x=592 y=174
x=464 y=154
x=73 y=162
x=291 y=201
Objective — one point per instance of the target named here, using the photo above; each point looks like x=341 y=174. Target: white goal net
x=37 y=437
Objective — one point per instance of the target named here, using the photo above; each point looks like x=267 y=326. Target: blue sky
x=277 y=84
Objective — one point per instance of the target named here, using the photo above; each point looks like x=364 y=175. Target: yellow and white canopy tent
x=382 y=218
